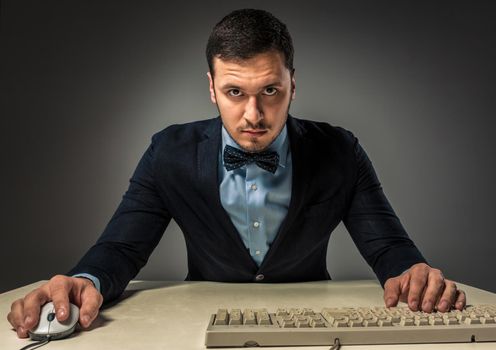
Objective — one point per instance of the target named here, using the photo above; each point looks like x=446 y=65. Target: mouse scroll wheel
x=51 y=316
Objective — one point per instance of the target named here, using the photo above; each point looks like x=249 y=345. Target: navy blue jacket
x=177 y=177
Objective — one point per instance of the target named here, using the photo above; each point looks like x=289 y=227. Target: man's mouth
x=254 y=132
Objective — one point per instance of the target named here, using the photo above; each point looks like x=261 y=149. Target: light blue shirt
x=256 y=200
x=95 y=280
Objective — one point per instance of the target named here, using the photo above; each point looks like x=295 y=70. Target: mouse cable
x=336 y=346
x=37 y=344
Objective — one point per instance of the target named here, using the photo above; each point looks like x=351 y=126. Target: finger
x=32 y=305
x=91 y=300
x=434 y=289
x=16 y=318
x=392 y=291
x=405 y=287
x=418 y=281
x=16 y=314
x=461 y=300
x=448 y=297
x=60 y=287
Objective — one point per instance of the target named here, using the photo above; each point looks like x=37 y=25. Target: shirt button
x=256 y=224
x=257 y=252
x=254 y=187
x=259 y=277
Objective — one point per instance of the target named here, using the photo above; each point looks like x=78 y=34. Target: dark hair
x=245 y=33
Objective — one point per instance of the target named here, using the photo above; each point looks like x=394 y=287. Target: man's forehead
x=263 y=68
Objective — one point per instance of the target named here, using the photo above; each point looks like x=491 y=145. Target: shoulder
x=185 y=133
x=322 y=132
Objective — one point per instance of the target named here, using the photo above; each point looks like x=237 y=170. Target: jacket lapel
x=208 y=165
x=300 y=147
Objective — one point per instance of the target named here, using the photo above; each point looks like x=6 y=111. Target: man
x=255 y=191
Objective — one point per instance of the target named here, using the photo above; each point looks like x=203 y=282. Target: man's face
x=253 y=98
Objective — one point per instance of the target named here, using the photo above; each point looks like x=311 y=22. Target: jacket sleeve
x=131 y=234
x=374 y=226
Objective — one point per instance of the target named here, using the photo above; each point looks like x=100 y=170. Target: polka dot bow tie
x=235 y=158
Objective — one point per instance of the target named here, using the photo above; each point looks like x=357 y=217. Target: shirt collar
x=280 y=144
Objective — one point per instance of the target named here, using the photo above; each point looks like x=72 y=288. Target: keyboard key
x=435 y=321
x=263 y=317
x=355 y=323
x=385 y=323
x=472 y=320
x=316 y=323
x=302 y=322
x=421 y=321
x=371 y=323
x=295 y=312
x=249 y=317
x=289 y=324
x=451 y=321
x=308 y=312
x=221 y=317
x=407 y=322
x=235 y=317
x=396 y=319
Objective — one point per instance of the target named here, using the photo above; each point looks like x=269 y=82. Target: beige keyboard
x=347 y=326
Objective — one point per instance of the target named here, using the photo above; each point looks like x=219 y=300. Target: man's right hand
x=25 y=312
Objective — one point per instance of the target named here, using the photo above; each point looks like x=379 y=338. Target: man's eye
x=270 y=91
x=234 y=92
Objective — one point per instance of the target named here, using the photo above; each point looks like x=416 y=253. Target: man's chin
x=254 y=146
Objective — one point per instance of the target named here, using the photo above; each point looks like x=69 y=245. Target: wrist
x=93 y=279
x=89 y=281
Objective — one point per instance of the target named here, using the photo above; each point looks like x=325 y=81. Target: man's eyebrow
x=229 y=86
x=234 y=86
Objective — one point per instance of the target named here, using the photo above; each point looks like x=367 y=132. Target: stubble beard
x=255 y=145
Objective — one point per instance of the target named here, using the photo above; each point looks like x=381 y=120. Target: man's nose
x=253 y=110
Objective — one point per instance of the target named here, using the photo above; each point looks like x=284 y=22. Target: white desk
x=174 y=315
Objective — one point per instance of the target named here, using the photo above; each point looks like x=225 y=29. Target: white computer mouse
x=50 y=327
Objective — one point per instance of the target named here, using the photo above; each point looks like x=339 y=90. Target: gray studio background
x=85 y=84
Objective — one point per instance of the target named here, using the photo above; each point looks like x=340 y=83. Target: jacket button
x=259 y=277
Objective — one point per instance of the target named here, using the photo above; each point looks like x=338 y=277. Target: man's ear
x=211 y=87
x=293 y=85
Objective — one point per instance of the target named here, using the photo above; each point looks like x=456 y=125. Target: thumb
x=392 y=291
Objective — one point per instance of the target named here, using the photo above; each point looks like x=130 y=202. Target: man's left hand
x=423 y=289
